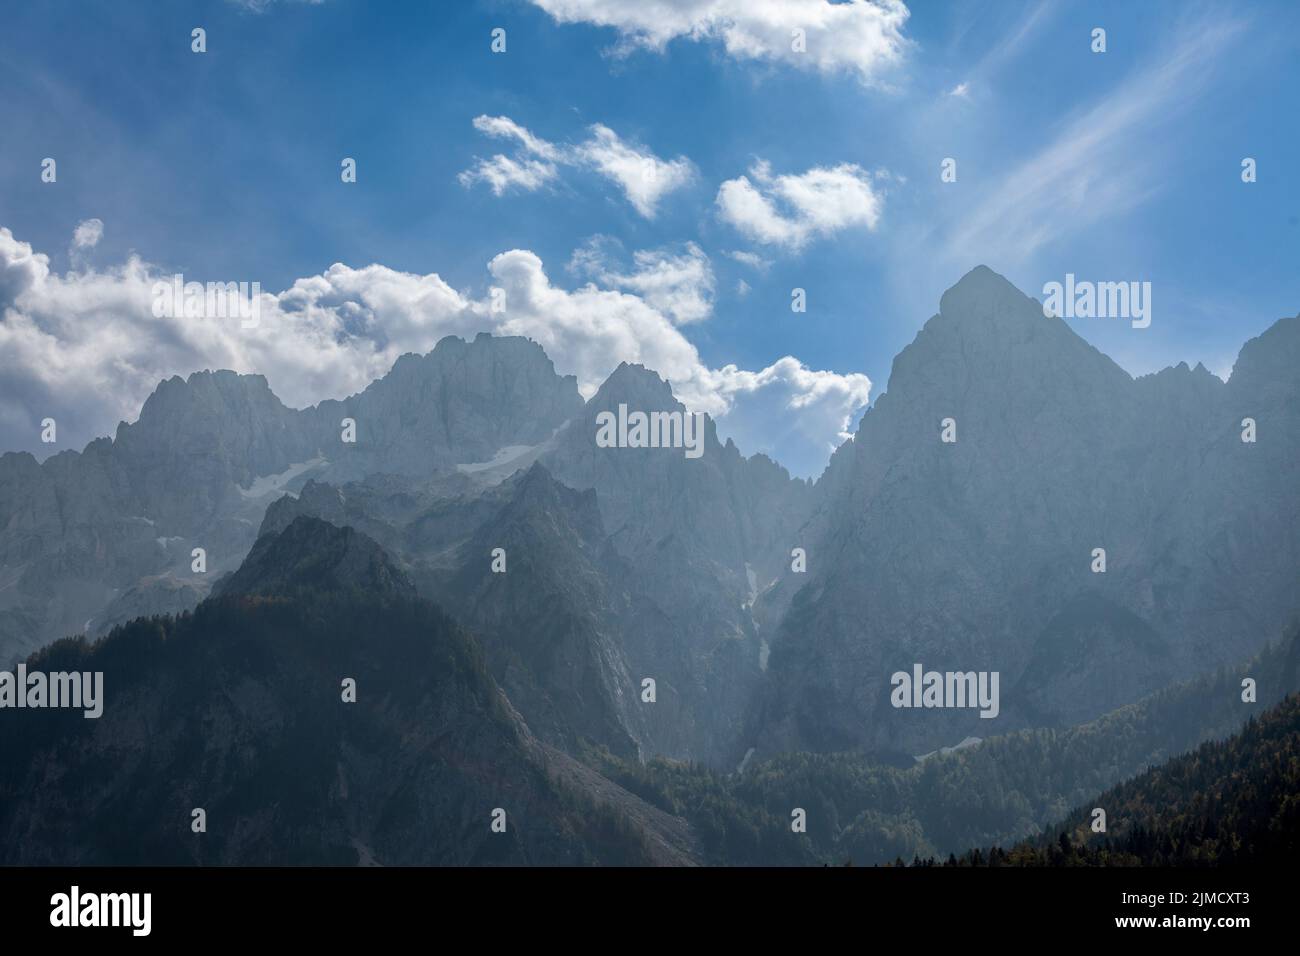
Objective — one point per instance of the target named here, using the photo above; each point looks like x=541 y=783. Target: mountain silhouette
x=628 y=565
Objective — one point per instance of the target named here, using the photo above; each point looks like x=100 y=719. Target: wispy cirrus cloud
x=1089 y=171
x=751 y=259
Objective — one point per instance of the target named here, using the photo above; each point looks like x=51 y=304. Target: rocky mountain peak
x=460 y=403
x=638 y=387
x=536 y=494
x=311 y=553
x=221 y=393
x=982 y=294
x=1271 y=359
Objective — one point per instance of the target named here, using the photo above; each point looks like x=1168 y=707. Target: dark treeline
x=994 y=794
x=1234 y=801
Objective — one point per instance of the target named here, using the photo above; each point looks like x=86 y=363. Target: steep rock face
x=461 y=403
x=552 y=616
x=1239 y=532
x=82 y=530
x=86 y=536
x=700 y=535
x=549 y=621
x=976 y=555
x=727 y=510
x=237 y=709
x=647 y=571
x=545 y=617
x=198 y=440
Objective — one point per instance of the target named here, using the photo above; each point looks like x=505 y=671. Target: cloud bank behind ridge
x=86 y=349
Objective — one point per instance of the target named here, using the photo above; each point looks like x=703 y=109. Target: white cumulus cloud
x=678 y=284
x=860 y=37
x=86 y=348
x=532 y=169
x=791 y=210
x=87 y=234
x=643 y=176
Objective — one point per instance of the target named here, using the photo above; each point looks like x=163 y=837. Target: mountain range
x=534 y=619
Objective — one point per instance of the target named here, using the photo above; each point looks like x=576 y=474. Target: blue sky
x=225 y=166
